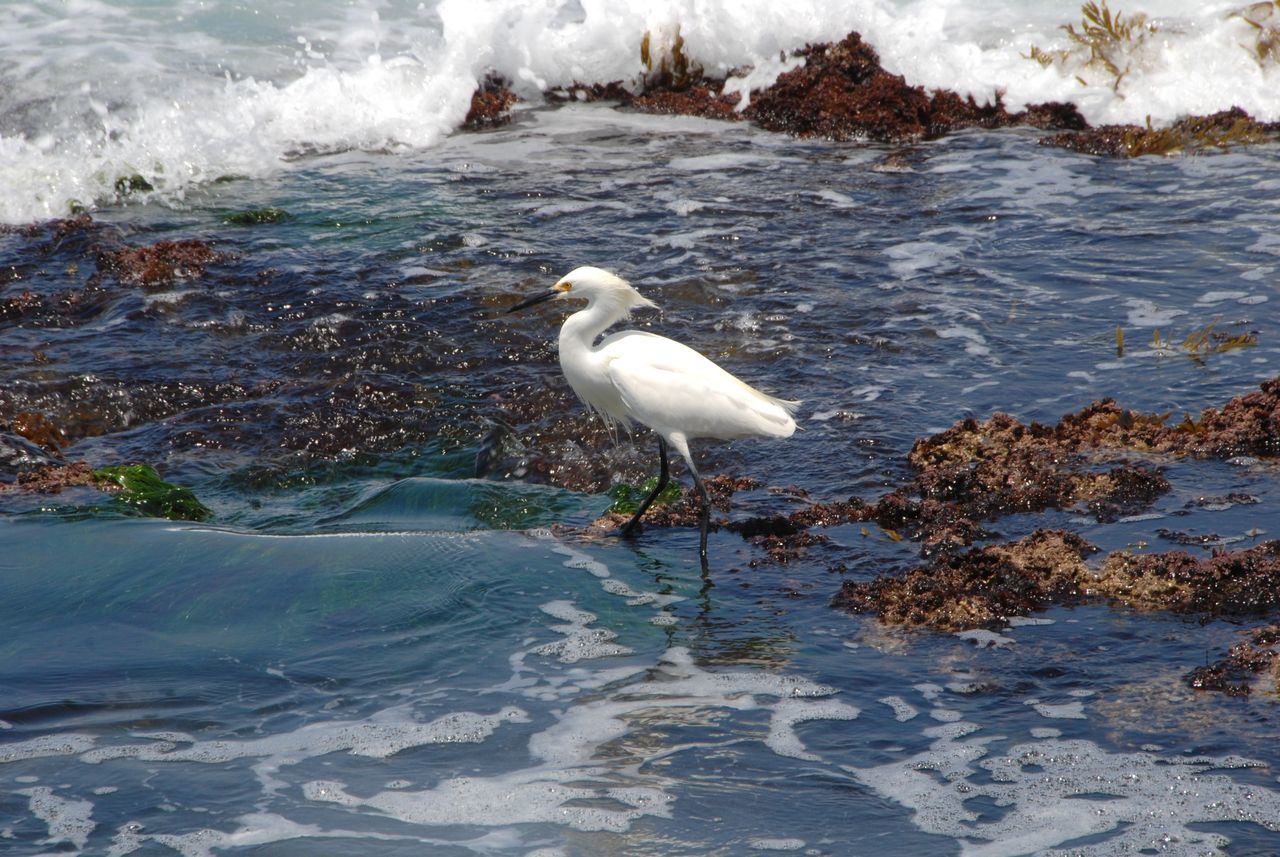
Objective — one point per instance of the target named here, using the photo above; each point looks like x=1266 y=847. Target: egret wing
x=670 y=387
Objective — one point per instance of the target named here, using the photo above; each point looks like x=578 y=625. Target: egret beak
x=536 y=299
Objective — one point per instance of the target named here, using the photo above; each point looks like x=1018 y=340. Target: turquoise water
x=395 y=634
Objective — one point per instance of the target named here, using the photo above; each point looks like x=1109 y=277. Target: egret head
x=592 y=285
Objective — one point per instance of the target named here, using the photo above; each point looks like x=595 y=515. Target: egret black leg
x=704 y=522
x=664 y=477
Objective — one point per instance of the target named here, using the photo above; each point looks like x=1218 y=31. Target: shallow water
x=369 y=649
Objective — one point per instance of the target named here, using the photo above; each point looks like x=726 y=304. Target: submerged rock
x=40 y=430
x=158 y=264
x=257 y=216
x=1239 y=671
x=19 y=455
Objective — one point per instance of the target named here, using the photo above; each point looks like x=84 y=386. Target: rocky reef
x=840 y=91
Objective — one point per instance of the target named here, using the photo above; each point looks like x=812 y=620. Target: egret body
x=636 y=377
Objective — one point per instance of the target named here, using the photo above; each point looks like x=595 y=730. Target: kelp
x=1106 y=41
x=668 y=67
x=1265 y=20
x=1200 y=342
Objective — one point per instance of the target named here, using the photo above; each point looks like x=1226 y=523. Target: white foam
x=184 y=105
x=571 y=784
x=718 y=162
x=912 y=257
x=1055 y=791
x=782 y=738
x=1019 y=621
x=776 y=844
x=837 y=199
x=390 y=732
x=1220 y=296
x=902 y=710
x=503 y=800
x=1145 y=313
x=46 y=745
x=685 y=207
x=68 y=819
x=579 y=560
x=556 y=209
x=580 y=641
x=265 y=828
x=1062 y=710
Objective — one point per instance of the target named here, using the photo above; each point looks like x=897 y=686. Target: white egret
x=633 y=376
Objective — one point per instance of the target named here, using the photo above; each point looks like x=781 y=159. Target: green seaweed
x=129 y=185
x=255 y=216
x=139 y=486
x=627 y=498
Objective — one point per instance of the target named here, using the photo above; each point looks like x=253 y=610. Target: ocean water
x=374 y=646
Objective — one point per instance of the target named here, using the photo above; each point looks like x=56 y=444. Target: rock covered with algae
x=839 y=91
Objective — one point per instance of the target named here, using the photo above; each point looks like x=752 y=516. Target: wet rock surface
x=1226 y=583
x=53 y=479
x=980 y=588
x=491 y=105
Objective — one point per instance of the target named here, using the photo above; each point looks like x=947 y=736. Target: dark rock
x=491 y=104
x=842 y=93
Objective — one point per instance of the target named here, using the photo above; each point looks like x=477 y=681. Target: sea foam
x=94 y=94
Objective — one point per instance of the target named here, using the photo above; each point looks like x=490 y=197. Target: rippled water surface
x=373 y=647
